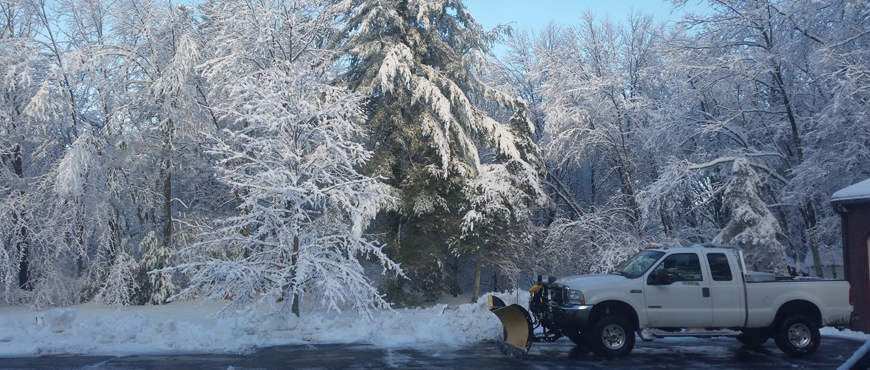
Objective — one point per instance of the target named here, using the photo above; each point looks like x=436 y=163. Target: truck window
x=682 y=267
x=720 y=269
x=636 y=266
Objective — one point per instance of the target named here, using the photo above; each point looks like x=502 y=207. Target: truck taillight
x=851 y=300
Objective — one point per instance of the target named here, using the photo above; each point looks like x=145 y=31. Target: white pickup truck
x=698 y=291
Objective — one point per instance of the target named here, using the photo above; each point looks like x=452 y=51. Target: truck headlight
x=576 y=297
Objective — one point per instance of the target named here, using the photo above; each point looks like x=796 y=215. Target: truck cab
x=697 y=287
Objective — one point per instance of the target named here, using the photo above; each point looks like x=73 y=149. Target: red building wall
x=855 y=221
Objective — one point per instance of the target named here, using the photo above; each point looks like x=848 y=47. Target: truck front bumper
x=576 y=316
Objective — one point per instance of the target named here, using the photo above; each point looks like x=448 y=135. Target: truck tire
x=754 y=338
x=797 y=335
x=612 y=337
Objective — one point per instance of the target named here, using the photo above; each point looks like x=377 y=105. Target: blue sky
x=536 y=13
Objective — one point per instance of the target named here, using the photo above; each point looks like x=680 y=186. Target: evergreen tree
x=751 y=226
x=154 y=287
x=419 y=63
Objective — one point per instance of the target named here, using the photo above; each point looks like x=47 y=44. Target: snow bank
x=846 y=334
x=861 y=352
x=192 y=327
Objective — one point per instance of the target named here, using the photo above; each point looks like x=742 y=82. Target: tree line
x=361 y=153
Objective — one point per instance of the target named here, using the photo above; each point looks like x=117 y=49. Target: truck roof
x=695 y=246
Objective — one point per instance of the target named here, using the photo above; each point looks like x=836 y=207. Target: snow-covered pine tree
x=154 y=287
x=419 y=62
x=290 y=155
x=751 y=226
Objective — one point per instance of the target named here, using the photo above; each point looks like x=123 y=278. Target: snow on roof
x=857 y=191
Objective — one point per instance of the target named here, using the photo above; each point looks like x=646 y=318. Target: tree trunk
x=295 y=306
x=476 y=293
x=21 y=242
x=592 y=190
x=114 y=242
x=810 y=216
x=495 y=286
x=456 y=277
x=809 y=211
x=167 y=210
x=168 y=132
x=24 y=264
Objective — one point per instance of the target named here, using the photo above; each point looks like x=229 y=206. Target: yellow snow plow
x=517 y=334
x=518 y=325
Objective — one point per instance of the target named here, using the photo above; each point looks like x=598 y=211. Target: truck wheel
x=754 y=337
x=612 y=337
x=797 y=336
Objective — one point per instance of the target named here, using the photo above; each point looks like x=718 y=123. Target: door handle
x=706 y=292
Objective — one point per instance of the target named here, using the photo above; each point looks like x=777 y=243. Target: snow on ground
x=193 y=327
x=848 y=334
x=861 y=352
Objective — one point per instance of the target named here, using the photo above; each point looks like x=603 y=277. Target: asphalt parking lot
x=667 y=353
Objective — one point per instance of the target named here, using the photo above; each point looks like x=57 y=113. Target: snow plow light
x=550 y=279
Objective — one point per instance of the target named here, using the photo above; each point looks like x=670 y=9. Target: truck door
x=677 y=295
x=726 y=292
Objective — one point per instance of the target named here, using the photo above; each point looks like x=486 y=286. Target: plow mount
x=519 y=325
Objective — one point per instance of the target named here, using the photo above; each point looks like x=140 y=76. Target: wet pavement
x=668 y=353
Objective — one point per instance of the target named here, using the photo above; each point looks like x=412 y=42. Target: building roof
x=856 y=192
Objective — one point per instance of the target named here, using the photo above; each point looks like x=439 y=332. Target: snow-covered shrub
x=58 y=319
x=154 y=287
x=120 y=285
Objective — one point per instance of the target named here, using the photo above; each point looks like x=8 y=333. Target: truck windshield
x=636 y=266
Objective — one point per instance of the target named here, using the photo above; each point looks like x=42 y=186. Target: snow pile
x=191 y=327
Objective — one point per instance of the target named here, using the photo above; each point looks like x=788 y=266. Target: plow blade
x=517 y=334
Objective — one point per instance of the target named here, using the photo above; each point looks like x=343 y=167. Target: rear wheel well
x=798 y=306
x=614 y=308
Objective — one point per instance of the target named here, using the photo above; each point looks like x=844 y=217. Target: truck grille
x=558 y=295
